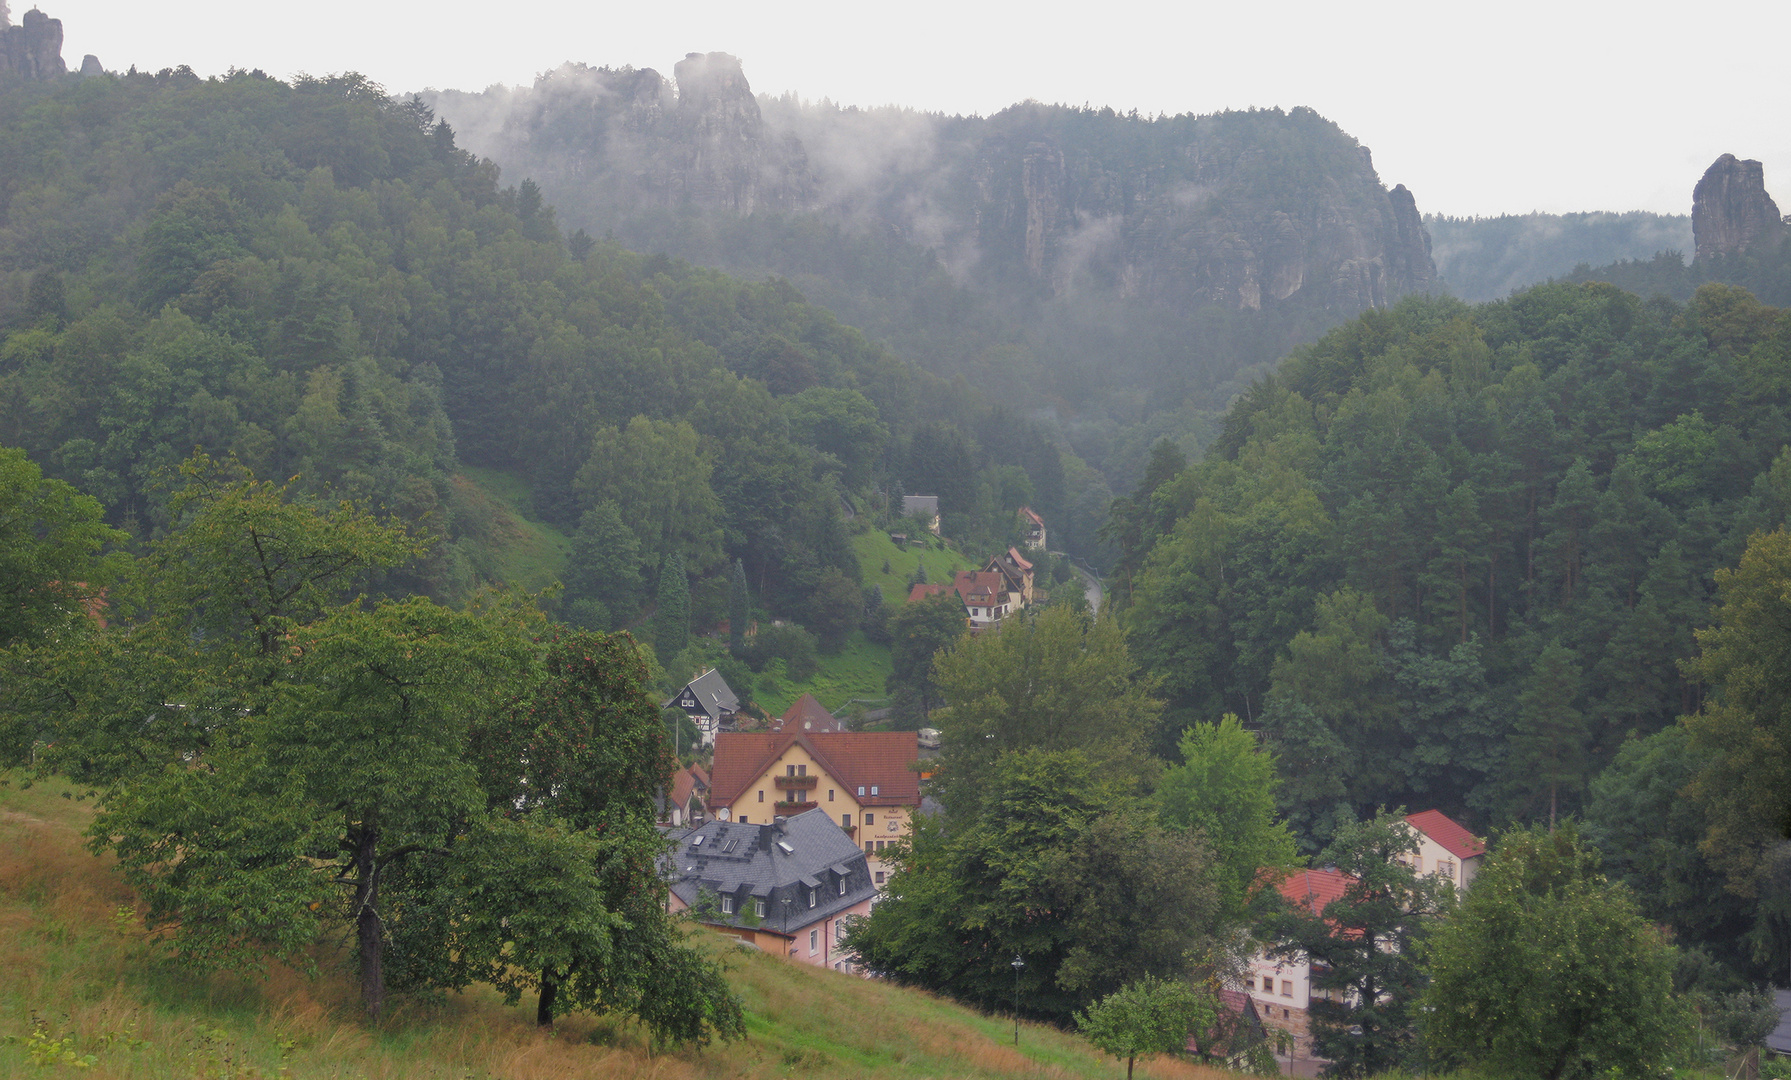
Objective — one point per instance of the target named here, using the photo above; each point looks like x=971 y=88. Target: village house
x=1282 y=986
x=808 y=714
x=709 y=702
x=783 y=885
x=1034 y=528
x=923 y=506
x=991 y=594
x=1445 y=848
x=684 y=803
x=864 y=781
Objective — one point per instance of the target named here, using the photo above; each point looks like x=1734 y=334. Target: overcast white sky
x=1487 y=108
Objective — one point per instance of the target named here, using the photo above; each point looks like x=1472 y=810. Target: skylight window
x=785 y=848
x=698 y=842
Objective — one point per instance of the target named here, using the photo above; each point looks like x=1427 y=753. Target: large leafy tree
x=1225 y=791
x=359 y=762
x=1548 y=970
x=54 y=562
x=1364 y=945
x=1063 y=869
x=1057 y=680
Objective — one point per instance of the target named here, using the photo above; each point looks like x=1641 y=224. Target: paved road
x=1091 y=585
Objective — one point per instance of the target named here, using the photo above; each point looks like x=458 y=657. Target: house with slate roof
x=925 y=506
x=708 y=701
x=1445 y=848
x=784 y=885
x=865 y=781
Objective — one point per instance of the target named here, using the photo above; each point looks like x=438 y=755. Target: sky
x=1479 y=109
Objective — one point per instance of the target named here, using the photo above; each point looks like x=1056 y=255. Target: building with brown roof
x=865 y=781
x=688 y=796
x=808 y=714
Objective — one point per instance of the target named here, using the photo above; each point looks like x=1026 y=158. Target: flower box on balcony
x=794 y=807
x=795 y=781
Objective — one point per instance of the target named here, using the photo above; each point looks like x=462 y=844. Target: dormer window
x=873 y=789
x=861 y=791
x=842 y=884
x=727 y=905
x=811 y=897
x=758 y=908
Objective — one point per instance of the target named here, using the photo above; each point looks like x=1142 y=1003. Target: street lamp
x=1017 y=965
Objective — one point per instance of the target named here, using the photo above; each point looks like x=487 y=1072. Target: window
x=842 y=884
x=727 y=905
x=829 y=794
x=811 y=897
x=1446 y=867
x=846 y=821
x=743 y=820
x=869 y=847
x=789 y=770
x=870 y=818
x=1249 y=982
x=880 y=844
x=873 y=789
x=1286 y=988
x=861 y=791
x=802 y=770
x=758 y=907
x=814 y=942
x=761 y=794
x=879 y=877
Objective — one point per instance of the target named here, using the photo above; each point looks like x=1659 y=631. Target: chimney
x=779 y=822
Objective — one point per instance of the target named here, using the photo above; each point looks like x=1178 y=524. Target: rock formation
x=1731 y=211
x=1245 y=211
x=32 y=49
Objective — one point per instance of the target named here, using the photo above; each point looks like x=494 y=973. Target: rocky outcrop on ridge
x=1245 y=211
x=1731 y=211
x=33 y=49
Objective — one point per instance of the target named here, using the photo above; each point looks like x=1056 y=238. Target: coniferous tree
x=738 y=609
x=671 y=626
x=1548 y=747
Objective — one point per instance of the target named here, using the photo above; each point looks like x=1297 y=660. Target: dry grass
x=69 y=959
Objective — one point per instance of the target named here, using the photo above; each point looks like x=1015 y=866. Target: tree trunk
x=367 y=929
x=550 y=989
x=1129 y=1062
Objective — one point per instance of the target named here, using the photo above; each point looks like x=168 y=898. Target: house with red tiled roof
x=1016 y=574
x=808 y=714
x=1282 y=986
x=688 y=796
x=865 y=780
x=1034 y=527
x=1445 y=848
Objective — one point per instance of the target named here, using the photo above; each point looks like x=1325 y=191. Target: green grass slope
x=81 y=982
x=875 y=548
x=502 y=541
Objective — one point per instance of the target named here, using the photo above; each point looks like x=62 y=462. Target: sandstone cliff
x=1243 y=211
x=32 y=49
x=1731 y=211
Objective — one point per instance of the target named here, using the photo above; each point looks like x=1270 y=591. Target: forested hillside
x=314 y=278
x=1453 y=556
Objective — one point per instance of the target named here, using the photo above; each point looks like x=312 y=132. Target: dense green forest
x=312 y=278
x=1764 y=271
x=1454 y=556
x=1489 y=258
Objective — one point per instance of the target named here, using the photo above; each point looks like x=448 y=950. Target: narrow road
x=1091 y=585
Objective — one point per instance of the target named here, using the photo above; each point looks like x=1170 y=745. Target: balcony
x=795 y=807
x=796 y=782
